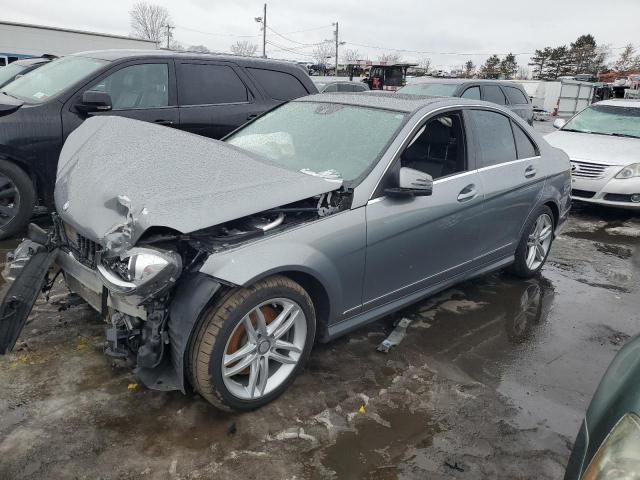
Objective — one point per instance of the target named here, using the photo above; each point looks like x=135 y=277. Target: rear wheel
x=535 y=244
x=17 y=198
x=251 y=345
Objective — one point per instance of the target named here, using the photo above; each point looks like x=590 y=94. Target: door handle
x=252 y=116
x=163 y=122
x=467 y=193
x=530 y=171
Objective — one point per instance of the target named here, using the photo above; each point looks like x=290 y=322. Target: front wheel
x=252 y=344
x=17 y=198
x=535 y=244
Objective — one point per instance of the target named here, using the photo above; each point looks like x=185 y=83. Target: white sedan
x=603 y=143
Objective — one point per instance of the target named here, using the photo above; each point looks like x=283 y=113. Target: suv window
x=515 y=96
x=137 y=86
x=331 y=88
x=472 y=92
x=495 y=138
x=492 y=93
x=438 y=147
x=525 y=147
x=279 y=85
x=209 y=84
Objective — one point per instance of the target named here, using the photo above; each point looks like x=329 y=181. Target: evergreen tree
x=509 y=66
x=491 y=68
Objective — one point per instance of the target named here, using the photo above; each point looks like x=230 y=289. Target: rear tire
x=270 y=326
x=17 y=199
x=535 y=244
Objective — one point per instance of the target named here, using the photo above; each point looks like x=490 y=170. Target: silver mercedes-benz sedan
x=217 y=264
x=603 y=142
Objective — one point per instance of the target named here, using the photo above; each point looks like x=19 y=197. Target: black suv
x=209 y=95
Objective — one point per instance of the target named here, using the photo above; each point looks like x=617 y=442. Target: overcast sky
x=473 y=29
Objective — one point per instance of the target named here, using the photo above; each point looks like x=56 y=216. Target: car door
x=142 y=90
x=214 y=98
x=518 y=103
x=416 y=243
x=509 y=170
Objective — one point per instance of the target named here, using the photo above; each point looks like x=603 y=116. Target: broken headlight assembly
x=141 y=273
x=619 y=455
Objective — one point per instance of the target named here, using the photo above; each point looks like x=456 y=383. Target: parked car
x=21 y=67
x=608 y=442
x=219 y=263
x=512 y=95
x=603 y=142
x=206 y=94
x=338 y=84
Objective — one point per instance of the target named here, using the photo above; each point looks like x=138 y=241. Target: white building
x=21 y=40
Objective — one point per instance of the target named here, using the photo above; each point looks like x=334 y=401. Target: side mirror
x=559 y=123
x=412 y=183
x=93 y=101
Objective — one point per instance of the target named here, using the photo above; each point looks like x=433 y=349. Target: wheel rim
x=9 y=200
x=539 y=241
x=264 y=348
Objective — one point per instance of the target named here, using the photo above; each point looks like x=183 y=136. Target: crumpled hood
x=121 y=176
x=596 y=148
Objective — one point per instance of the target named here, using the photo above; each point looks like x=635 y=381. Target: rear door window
x=278 y=85
x=492 y=93
x=525 y=147
x=494 y=136
x=472 y=92
x=210 y=84
x=515 y=96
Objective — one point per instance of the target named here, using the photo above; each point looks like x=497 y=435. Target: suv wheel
x=17 y=198
x=251 y=345
x=535 y=244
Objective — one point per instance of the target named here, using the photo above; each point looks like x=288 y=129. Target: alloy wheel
x=264 y=348
x=9 y=200
x=539 y=241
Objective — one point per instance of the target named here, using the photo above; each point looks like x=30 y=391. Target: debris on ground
x=396 y=336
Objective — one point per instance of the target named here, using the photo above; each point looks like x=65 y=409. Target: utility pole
x=169 y=28
x=337 y=43
x=264 y=33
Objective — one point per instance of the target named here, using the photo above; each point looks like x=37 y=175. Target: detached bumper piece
x=21 y=295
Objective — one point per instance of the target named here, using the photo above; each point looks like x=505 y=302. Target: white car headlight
x=629 y=171
x=619 y=455
x=141 y=273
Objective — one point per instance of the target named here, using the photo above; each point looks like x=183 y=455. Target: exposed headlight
x=619 y=455
x=141 y=273
x=629 y=171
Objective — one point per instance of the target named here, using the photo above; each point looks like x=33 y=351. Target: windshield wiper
x=626 y=135
x=574 y=130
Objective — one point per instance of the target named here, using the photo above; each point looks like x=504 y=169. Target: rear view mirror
x=413 y=183
x=559 y=122
x=93 y=101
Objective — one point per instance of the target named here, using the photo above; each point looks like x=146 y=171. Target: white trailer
x=562 y=97
x=21 y=40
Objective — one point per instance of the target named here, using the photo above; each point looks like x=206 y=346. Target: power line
x=216 y=34
x=295 y=41
x=285 y=49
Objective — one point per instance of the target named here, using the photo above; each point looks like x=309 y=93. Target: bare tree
x=351 y=56
x=425 y=64
x=322 y=52
x=523 y=73
x=390 y=58
x=244 y=48
x=198 y=49
x=149 y=21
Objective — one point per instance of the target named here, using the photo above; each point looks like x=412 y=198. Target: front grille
x=582 y=193
x=617 y=197
x=587 y=169
x=84 y=249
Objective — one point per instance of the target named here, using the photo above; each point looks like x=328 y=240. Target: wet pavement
x=491 y=381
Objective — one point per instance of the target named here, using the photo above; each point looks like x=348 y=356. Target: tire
x=521 y=267
x=16 y=210
x=222 y=330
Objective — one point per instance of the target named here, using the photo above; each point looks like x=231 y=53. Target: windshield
x=52 y=78
x=607 y=120
x=337 y=141
x=433 y=89
x=7 y=73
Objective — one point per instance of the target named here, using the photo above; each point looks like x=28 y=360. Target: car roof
x=118 y=54
x=620 y=102
x=460 y=81
x=389 y=100
x=32 y=61
x=327 y=80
